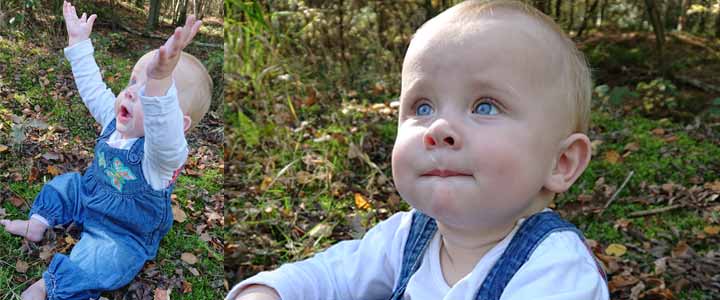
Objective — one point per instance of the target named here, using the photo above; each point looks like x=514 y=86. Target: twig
x=654 y=211
x=159 y=37
x=630 y=175
x=282 y=171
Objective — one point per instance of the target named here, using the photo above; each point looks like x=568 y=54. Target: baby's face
x=128 y=107
x=480 y=123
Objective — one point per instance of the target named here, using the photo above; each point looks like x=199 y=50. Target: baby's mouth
x=444 y=173
x=124 y=112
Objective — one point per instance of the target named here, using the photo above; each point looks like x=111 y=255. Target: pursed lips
x=445 y=173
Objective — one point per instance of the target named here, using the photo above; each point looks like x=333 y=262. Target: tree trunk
x=589 y=12
x=657 y=24
x=558 y=13
x=542 y=5
x=717 y=26
x=429 y=11
x=682 y=17
x=572 y=16
x=182 y=14
x=153 y=15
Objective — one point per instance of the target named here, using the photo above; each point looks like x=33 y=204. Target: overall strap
x=422 y=230
x=137 y=150
x=530 y=234
x=109 y=129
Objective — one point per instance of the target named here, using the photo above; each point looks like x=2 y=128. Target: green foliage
x=657 y=95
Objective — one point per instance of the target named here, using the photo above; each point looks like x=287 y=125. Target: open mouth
x=445 y=173
x=124 y=112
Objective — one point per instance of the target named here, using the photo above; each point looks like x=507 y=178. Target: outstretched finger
x=83 y=18
x=91 y=20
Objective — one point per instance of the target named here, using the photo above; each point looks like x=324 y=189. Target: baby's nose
x=441 y=134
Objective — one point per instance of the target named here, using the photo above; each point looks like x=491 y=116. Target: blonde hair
x=193 y=83
x=575 y=73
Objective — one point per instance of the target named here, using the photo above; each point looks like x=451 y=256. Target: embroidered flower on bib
x=119 y=174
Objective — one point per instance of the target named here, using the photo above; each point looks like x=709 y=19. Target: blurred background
x=311 y=121
x=45 y=130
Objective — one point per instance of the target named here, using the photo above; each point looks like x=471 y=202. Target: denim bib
x=530 y=234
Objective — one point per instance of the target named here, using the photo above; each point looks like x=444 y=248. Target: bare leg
x=30 y=229
x=35 y=291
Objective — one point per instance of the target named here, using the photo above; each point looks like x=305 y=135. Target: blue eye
x=485 y=108
x=424 y=110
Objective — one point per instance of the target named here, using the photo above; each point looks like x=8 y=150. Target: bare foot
x=32 y=230
x=35 y=291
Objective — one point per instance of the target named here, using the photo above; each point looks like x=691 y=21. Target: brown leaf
x=189 y=258
x=361 y=202
x=612 y=156
x=17 y=201
x=186 y=287
x=632 y=147
x=162 y=294
x=658 y=131
x=3 y=148
x=682 y=249
x=714 y=186
x=178 y=214
x=622 y=280
x=53 y=170
x=712 y=230
x=21 y=266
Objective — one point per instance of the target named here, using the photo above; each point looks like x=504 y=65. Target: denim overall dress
x=530 y=234
x=123 y=220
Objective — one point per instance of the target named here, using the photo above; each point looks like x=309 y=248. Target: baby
x=123 y=199
x=494 y=107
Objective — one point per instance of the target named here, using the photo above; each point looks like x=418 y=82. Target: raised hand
x=166 y=58
x=78 y=28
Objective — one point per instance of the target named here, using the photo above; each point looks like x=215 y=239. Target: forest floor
x=316 y=166
x=45 y=130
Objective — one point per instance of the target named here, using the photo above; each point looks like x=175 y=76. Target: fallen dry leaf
x=178 y=214
x=712 y=230
x=162 y=294
x=3 y=148
x=53 y=170
x=714 y=186
x=186 y=287
x=189 y=258
x=21 y=266
x=17 y=201
x=360 y=202
x=616 y=250
x=612 y=157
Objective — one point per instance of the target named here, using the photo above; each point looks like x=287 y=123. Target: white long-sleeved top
x=560 y=268
x=165 y=145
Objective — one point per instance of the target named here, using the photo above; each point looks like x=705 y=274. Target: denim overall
x=123 y=220
x=530 y=234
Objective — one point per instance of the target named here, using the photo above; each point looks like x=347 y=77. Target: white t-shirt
x=560 y=268
x=165 y=145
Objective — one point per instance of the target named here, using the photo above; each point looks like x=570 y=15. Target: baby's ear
x=186 y=123
x=572 y=160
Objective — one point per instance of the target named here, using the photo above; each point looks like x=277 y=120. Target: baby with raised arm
x=494 y=108
x=122 y=200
